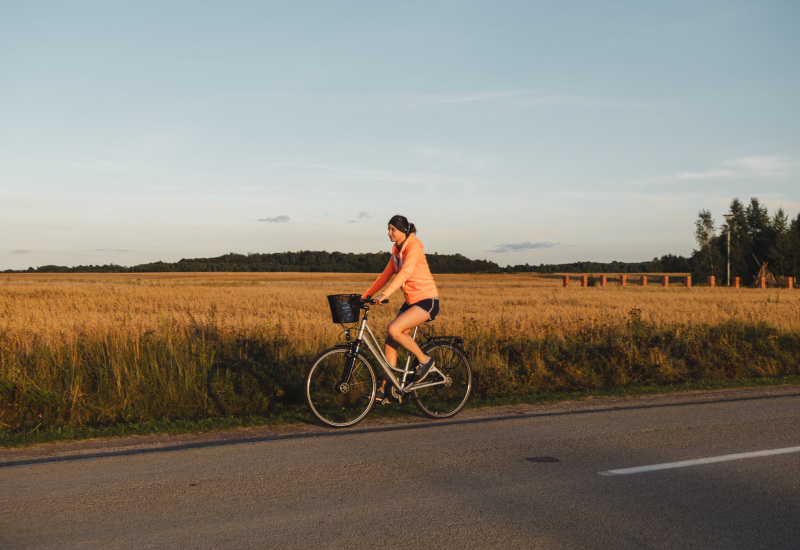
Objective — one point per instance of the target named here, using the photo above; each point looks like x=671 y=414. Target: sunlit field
x=99 y=348
x=60 y=308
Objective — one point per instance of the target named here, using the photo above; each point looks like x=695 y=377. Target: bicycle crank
x=395 y=394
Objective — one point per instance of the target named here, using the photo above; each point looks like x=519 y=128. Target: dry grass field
x=94 y=349
x=62 y=307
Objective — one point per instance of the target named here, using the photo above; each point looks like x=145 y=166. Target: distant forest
x=756 y=238
x=340 y=262
x=304 y=261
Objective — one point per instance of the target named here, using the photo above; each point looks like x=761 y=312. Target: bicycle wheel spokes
x=445 y=400
x=334 y=398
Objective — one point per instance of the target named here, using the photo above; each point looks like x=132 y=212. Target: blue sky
x=538 y=132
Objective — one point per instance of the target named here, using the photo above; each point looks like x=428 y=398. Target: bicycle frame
x=366 y=335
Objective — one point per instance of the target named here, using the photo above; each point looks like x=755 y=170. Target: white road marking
x=698 y=461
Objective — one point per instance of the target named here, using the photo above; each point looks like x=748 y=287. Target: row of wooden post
x=687 y=280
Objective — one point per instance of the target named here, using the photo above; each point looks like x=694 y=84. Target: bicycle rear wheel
x=445 y=400
x=340 y=391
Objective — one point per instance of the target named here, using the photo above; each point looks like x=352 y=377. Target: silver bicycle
x=340 y=386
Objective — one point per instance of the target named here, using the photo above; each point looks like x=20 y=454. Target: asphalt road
x=527 y=477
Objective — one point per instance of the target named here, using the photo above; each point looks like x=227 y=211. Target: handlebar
x=368 y=300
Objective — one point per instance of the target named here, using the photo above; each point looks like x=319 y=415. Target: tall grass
x=634 y=355
x=104 y=350
x=176 y=372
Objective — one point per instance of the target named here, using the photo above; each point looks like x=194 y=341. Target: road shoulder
x=53 y=452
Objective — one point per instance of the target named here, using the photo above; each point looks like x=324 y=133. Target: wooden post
x=688 y=281
x=736 y=282
x=566 y=281
x=666 y=281
x=712 y=281
x=790 y=282
x=584 y=280
x=602 y=280
x=762 y=282
x=644 y=280
x=623 y=280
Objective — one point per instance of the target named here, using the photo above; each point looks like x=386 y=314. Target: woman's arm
x=412 y=257
x=382 y=279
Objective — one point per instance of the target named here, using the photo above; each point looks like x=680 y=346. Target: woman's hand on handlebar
x=379 y=299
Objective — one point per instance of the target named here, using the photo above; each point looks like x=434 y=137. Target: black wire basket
x=345 y=308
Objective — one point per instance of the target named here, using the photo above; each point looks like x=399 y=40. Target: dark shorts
x=431 y=306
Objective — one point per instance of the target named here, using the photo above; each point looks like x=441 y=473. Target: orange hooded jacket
x=413 y=274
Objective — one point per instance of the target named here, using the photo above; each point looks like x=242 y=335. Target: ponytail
x=402 y=224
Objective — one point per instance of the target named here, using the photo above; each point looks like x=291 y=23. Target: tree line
x=667 y=263
x=303 y=261
x=756 y=238
x=341 y=262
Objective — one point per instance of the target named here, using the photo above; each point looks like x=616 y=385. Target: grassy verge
x=185 y=379
x=301 y=416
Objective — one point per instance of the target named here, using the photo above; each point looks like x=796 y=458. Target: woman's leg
x=399 y=334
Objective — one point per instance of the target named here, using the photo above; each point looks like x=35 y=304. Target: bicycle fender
x=456 y=340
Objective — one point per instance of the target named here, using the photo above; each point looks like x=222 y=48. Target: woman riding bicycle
x=411 y=273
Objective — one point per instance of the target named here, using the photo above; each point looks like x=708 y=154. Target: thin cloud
x=97 y=165
x=471 y=98
x=276 y=219
x=522 y=99
x=766 y=166
x=521 y=247
x=707 y=175
x=112 y=250
x=771 y=167
x=426 y=179
x=20 y=251
x=361 y=217
x=450 y=158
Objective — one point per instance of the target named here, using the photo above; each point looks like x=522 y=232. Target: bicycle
x=340 y=386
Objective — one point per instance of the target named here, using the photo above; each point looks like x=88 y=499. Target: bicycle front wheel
x=445 y=400
x=340 y=390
